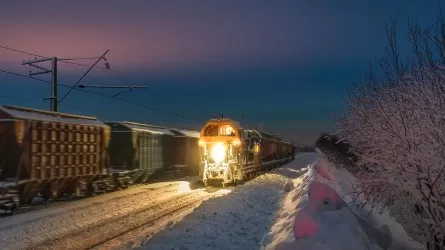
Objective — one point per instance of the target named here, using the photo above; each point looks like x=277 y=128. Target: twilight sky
x=284 y=65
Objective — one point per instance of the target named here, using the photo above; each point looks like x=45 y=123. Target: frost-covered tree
x=337 y=151
x=395 y=124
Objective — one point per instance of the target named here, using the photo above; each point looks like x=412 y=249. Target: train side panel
x=52 y=153
x=149 y=151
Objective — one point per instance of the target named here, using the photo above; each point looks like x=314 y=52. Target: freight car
x=140 y=150
x=48 y=153
x=230 y=153
x=55 y=154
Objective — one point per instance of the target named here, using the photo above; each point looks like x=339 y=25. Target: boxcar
x=186 y=150
x=142 y=150
x=50 y=153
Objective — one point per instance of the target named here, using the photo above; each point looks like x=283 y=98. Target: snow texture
x=298 y=206
x=303 y=205
x=24 y=230
x=315 y=216
x=237 y=220
x=31 y=114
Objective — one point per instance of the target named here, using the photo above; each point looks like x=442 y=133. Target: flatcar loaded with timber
x=230 y=153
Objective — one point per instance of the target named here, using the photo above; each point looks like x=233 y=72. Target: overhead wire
x=84 y=74
x=66 y=60
x=34 y=100
x=20 y=51
x=87 y=91
x=103 y=95
x=77 y=58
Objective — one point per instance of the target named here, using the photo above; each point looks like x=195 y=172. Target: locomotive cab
x=221 y=142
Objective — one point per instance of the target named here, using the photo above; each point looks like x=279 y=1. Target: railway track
x=44 y=204
x=98 y=222
x=35 y=206
x=123 y=219
x=105 y=232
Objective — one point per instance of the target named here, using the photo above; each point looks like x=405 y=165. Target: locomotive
x=230 y=154
x=55 y=154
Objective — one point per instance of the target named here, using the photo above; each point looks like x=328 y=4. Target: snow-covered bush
x=395 y=125
x=337 y=151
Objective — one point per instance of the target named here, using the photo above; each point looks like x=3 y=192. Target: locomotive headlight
x=218 y=152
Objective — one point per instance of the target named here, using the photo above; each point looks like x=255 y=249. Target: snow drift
x=316 y=214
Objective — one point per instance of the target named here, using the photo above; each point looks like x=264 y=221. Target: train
x=229 y=154
x=53 y=155
x=50 y=155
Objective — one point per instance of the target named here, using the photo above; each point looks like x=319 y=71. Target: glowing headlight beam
x=218 y=153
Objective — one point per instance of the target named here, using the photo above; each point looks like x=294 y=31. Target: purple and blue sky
x=284 y=65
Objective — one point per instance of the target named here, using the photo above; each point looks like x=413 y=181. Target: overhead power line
x=87 y=91
x=103 y=95
x=33 y=100
x=68 y=61
x=78 y=58
x=20 y=51
x=89 y=69
x=24 y=76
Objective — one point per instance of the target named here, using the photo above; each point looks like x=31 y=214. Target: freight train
x=56 y=154
x=52 y=154
x=230 y=154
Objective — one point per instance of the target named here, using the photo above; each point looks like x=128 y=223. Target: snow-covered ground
x=317 y=214
x=302 y=205
x=85 y=223
x=298 y=206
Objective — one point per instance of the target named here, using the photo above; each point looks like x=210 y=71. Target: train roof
x=189 y=133
x=228 y=120
x=266 y=135
x=142 y=127
x=155 y=129
x=15 y=112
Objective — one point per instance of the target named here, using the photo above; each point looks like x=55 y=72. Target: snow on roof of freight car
x=189 y=133
x=147 y=128
x=41 y=115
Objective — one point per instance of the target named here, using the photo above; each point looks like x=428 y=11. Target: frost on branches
x=395 y=125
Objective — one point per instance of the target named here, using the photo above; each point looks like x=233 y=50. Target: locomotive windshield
x=226 y=130
x=211 y=130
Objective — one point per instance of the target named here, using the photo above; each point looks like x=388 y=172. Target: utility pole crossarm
x=53 y=72
x=36 y=61
x=39 y=73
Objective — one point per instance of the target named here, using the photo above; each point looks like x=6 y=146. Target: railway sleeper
x=9 y=202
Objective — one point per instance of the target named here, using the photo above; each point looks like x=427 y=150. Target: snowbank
x=303 y=205
x=316 y=214
x=237 y=220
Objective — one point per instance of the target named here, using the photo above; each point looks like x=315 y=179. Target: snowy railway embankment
x=298 y=206
x=317 y=213
x=302 y=205
x=95 y=221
